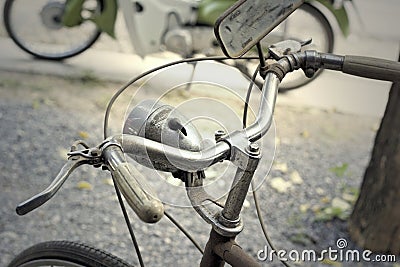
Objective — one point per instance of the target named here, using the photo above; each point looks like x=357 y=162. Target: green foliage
x=339 y=171
x=89 y=77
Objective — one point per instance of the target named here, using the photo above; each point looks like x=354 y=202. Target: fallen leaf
x=304 y=208
x=246 y=204
x=280 y=185
x=349 y=197
x=296 y=178
x=305 y=134
x=375 y=127
x=84 y=185
x=340 y=170
x=83 y=134
x=331 y=262
x=325 y=200
x=282 y=167
x=340 y=203
x=63 y=152
x=36 y=104
x=302 y=239
x=320 y=191
x=316 y=208
x=277 y=141
x=108 y=181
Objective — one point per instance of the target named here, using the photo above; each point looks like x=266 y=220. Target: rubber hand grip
x=374 y=68
x=131 y=183
x=133 y=186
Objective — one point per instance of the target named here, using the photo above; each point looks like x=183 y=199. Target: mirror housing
x=244 y=24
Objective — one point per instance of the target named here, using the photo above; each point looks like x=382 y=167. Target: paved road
x=44 y=114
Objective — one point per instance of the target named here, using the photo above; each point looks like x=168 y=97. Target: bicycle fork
x=221 y=246
x=225 y=219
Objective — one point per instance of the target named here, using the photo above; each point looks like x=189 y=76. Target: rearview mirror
x=244 y=24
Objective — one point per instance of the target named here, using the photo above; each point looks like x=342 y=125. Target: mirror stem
x=263 y=64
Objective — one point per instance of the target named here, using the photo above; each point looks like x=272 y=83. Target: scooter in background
x=60 y=29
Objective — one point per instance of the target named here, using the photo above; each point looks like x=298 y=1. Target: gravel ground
x=40 y=116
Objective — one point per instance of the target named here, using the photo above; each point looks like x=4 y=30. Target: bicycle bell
x=164 y=124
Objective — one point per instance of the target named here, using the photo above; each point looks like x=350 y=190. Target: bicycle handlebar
x=194 y=161
x=134 y=187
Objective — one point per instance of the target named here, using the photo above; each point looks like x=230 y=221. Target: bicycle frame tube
x=221 y=249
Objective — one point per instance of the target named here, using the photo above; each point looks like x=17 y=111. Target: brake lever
x=284 y=48
x=287 y=47
x=76 y=158
x=41 y=198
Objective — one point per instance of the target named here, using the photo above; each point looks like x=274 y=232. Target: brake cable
x=105 y=135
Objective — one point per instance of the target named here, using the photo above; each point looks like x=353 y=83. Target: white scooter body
x=150 y=21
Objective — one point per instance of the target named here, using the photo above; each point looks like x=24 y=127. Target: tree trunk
x=375 y=221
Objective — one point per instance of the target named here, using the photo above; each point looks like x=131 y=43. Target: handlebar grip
x=133 y=186
x=374 y=68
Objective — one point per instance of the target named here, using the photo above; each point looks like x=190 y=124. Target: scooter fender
x=339 y=13
x=72 y=13
x=210 y=10
x=105 y=21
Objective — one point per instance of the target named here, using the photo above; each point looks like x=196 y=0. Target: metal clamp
x=225 y=219
x=207 y=207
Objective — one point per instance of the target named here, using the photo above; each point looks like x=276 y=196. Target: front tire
x=66 y=254
x=36 y=27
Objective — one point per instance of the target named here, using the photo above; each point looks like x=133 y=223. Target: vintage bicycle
x=157 y=136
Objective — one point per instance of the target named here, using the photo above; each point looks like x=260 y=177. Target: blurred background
x=373 y=32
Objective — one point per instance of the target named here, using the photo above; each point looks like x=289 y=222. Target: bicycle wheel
x=65 y=254
x=306 y=22
x=36 y=27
